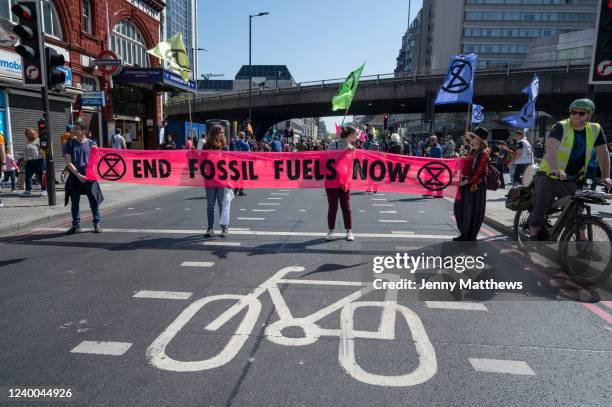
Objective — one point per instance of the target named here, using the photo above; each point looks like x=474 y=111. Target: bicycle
x=312 y=331
x=582 y=238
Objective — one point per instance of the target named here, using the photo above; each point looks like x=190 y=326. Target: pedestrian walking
x=276 y=145
x=117 y=141
x=435 y=151
x=2 y=163
x=10 y=171
x=500 y=155
x=523 y=157
x=471 y=200
x=348 y=135
x=76 y=153
x=215 y=141
x=34 y=163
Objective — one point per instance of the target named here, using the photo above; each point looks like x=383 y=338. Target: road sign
x=33 y=72
x=108 y=62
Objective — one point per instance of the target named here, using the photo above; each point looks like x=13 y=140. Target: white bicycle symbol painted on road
x=427 y=367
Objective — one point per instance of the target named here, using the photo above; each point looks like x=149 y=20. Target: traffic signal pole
x=50 y=164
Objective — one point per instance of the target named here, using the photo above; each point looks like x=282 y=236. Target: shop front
x=136 y=101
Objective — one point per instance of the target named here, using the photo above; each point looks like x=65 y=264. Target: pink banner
x=357 y=170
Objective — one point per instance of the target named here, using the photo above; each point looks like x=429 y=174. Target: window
x=51 y=25
x=89 y=83
x=127 y=42
x=87 y=16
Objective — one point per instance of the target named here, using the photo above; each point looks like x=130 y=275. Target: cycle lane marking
x=515 y=367
x=163 y=295
x=102 y=348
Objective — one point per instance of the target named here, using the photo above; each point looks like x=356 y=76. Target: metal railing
x=367 y=80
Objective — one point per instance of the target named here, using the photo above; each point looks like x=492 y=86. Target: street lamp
x=250 y=67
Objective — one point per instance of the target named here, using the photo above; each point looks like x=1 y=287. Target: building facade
x=501 y=32
x=81 y=30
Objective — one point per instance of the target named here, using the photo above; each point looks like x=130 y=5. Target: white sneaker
x=349 y=236
x=330 y=236
x=14 y=191
x=43 y=193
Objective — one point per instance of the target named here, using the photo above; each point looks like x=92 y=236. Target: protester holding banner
x=348 y=135
x=76 y=153
x=471 y=200
x=215 y=140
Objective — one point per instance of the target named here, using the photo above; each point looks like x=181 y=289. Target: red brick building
x=81 y=30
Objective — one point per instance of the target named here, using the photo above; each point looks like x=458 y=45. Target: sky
x=316 y=39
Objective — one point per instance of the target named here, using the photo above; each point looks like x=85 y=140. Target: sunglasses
x=577 y=113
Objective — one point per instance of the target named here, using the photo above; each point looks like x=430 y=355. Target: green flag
x=344 y=96
x=173 y=51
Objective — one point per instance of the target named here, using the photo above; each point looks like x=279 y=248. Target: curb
x=22 y=227
x=502 y=227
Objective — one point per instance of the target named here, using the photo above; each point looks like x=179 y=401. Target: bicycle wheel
x=588 y=260
x=521 y=229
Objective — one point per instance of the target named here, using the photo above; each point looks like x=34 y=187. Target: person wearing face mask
x=568 y=152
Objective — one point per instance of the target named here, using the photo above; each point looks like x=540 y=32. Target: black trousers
x=470 y=211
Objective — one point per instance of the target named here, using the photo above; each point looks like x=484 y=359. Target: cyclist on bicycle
x=568 y=151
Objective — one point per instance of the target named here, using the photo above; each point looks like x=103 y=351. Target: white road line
x=284 y=190
x=470 y=306
x=242 y=209
x=421 y=211
x=379 y=194
x=158 y=209
x=254 y=233
x=222 y=243
x=274 y=199
x=102 y=348
x=302 y=210
x=279 y=193
x=251 y=218
x=130 y=209
x=402 y=232
x=163 y=295
x=197 y=264
x=387 y=211
x=383 y=205
x=392 y=221
x=187 y=209
x=501 y=366
x=269 y=204
x=379 y=199
x=264 y=210
x=361 y=210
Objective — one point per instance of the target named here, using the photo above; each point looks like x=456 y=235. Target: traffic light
x=601 y=65
x=43 y=134
x=29 y=34
x=56 y=78
x=386 y=121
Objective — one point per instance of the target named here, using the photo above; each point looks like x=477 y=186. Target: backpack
x=519 y=198
x=491 y=176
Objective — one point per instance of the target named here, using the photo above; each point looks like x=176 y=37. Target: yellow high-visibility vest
x=567 y=142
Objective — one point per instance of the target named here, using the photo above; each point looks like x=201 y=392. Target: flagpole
x=468 y=121
x=344 y=118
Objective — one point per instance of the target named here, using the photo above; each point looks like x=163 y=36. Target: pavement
x=152 y=313
x=23 y=212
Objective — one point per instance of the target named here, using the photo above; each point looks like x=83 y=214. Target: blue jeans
x=214 y=194
x=34 y=167
x=75 y=199
x=10 y=174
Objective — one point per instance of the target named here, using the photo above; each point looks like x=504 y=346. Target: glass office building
x=502 y=31
x=181 y=16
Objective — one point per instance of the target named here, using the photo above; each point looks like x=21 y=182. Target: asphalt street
x=151 y=313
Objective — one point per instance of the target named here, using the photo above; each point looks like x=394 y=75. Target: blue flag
x=525 y=118
x=477 y=114
x=458 y=85
x=533 y=89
